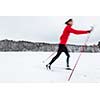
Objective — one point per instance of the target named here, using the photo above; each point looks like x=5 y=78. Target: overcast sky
x=47 y=28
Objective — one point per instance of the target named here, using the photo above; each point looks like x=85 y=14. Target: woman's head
x=69 y=22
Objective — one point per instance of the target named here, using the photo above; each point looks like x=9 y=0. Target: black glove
x=91 y=30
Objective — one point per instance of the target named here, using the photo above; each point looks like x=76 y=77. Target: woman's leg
x=57 y=55
x=68 y=55
x=60 y=50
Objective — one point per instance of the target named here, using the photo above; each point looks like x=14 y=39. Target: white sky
x=47 y=28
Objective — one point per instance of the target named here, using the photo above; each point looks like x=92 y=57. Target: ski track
x=29 y=67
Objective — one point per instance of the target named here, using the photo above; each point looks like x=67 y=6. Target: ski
x=49 y=68
x=68 y=68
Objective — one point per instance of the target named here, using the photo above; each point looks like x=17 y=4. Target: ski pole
x=49 y=57
x=79 y=55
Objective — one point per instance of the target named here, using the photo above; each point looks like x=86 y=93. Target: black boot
x=67 y=65
x=48 y=66
x=68 y=68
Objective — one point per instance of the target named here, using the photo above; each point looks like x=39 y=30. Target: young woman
x=63 y=40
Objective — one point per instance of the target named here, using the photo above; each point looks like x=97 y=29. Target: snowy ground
x=28 y=67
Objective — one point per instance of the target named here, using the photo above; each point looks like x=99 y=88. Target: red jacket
x=67 y=31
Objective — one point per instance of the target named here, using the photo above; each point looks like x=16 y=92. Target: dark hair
x=68 y=21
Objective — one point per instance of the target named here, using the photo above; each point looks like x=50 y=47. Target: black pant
x=62 y=48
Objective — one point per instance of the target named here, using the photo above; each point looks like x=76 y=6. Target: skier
x=63 y=40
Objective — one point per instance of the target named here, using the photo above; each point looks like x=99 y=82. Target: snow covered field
x=28 y=67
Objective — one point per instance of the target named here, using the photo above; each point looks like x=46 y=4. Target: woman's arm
x=79 y=31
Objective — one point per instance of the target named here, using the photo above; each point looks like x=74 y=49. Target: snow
x=29 y=67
